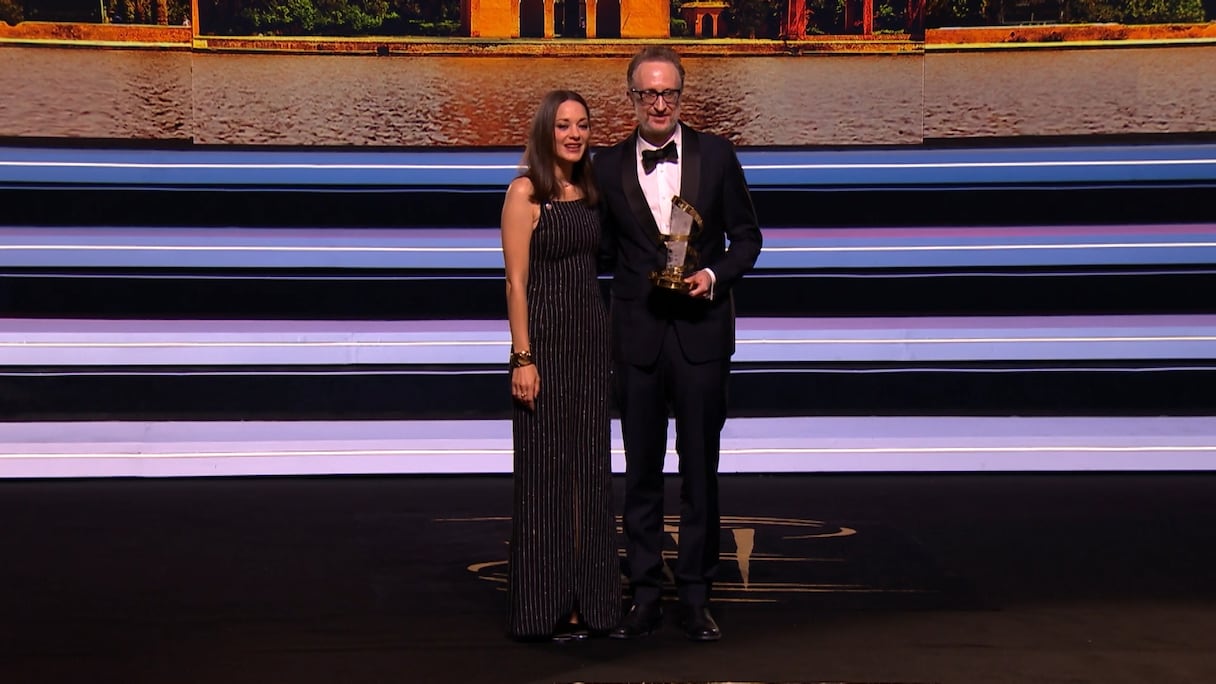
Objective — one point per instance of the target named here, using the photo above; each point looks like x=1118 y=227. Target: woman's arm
x=519 y=217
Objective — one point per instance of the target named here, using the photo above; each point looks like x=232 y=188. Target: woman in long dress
x=563 y=577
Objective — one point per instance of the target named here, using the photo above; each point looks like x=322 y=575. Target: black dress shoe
x=640 y=621
x=699 y=625
x=570 y=631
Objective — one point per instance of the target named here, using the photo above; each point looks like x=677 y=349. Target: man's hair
x=654 y=53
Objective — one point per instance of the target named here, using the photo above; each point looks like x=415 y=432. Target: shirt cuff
x=713 y=281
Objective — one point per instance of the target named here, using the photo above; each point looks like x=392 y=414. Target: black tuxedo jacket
x=712 y=180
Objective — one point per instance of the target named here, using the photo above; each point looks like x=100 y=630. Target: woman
x=564 y=581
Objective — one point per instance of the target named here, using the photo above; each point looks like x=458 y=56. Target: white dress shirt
x=663 y=184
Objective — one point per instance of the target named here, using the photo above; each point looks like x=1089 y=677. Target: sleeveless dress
x=563 y=553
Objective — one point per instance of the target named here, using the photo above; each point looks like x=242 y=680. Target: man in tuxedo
x=672 y=348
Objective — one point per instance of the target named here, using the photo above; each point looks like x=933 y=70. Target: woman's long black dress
x=563 y=553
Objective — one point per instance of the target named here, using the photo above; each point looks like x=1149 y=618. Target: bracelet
x=519 y=359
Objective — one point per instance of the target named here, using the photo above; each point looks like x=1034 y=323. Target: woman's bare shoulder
x=521 y=187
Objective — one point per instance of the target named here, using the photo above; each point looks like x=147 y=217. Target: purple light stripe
x=492 y=168
x=474 y=248
x=50 y=237
x=491 y=329
x=849 y=444
x=57 y=342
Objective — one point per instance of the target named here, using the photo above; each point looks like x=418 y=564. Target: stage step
x=917 y=185
x=437 y=249
x=228 y=312
x=401 y=296
x=68 y=343
x=916 y=365
x=429 y=273
x=855 y=444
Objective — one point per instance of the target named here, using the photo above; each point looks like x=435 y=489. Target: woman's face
x=571 y=131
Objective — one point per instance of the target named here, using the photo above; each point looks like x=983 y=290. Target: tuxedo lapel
x=690 y=166
x=633 y=190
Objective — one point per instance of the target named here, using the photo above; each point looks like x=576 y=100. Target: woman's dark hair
x=540 y=156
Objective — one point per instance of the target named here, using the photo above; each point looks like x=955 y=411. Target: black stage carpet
x=825 y=578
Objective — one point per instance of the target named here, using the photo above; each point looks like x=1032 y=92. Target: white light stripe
x=236 y=372
x=249 y=248
x=259 y=454
x=980 y=165
x=968 y=450
x=936 y=248
x=981 y=340
x=515 y=167
x=915 y=274
x=228 y=167
x=495 y=372
x=292 y=453
x=496 y=343
x=912 y=368
x=286 y=277
x=495 y=250
x=284 y=343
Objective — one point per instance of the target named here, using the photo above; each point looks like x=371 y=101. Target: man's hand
x=701 y=283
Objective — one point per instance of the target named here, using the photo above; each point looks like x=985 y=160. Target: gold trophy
x=682 y=259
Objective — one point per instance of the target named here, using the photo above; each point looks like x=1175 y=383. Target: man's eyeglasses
x=649 y=97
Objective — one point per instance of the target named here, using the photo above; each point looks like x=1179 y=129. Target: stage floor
x=842 y=578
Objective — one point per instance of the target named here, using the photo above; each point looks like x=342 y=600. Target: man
x=672 y=348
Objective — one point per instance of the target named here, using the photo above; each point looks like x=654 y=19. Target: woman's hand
x=525 y=385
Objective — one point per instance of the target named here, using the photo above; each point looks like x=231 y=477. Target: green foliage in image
x=679 y=27
x=828 y=16
x=173 y=12
x=330 y=17
x=754 y=18
x=742 y=18
x=146 y=11
x=1135 y=11
x=11 y=12
x=1008 y=12
x=316 y=17
x=425 y=18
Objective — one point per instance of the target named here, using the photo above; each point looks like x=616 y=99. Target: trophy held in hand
x=682 y=259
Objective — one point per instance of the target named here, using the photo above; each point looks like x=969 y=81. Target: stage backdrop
x=411 y=75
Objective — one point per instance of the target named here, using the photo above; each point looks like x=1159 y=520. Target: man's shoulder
x=707 y=140
x=608 y=158
x=613 y=150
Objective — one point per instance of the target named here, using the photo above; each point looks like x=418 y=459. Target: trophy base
x=670 y=281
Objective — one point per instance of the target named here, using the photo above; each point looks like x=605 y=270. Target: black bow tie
x=652 y=158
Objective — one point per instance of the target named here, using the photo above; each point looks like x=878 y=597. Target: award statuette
x=682 y=259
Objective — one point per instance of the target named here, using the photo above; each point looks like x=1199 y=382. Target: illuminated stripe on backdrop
x=857 y=444
x=55 y=342
x=495 y=168
x=433 y=249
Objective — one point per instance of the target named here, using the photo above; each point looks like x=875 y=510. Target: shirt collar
x=677 y=136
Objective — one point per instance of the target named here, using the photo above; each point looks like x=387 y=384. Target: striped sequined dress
x=563 y=532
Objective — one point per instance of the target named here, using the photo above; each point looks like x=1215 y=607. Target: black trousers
x=695 y=394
